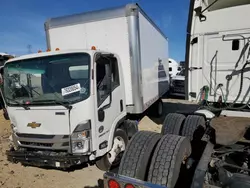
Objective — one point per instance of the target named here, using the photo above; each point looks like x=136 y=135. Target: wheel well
x=129 y=126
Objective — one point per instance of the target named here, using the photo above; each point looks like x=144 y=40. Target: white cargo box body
x=127 y=32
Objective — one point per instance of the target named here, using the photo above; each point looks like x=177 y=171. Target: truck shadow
x=100 y=184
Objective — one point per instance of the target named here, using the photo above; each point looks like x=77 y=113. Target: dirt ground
x=18 y=176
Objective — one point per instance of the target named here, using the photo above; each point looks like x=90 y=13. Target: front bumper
x=46 y=158
x=177 y=88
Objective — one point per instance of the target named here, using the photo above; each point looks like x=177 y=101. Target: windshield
x=181 y=73
x=47 y=80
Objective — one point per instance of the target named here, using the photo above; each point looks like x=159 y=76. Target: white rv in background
x=71 y=105
x=174 y=67
x=4 y=57
x=218 y=52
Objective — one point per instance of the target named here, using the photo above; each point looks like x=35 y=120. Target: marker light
x=48 y=50
x=39 y=51
x=129 y=186
x=113 y=184
x=93 y=48
x=57 y=49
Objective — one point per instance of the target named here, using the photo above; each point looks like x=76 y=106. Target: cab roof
x=50 y=53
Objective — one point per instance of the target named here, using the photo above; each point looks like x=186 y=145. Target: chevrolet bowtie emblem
x=34 y=125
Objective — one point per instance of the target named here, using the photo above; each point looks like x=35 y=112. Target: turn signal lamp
x=113 y=184
x=129 y=186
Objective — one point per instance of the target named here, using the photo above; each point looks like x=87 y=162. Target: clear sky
x=22 y=21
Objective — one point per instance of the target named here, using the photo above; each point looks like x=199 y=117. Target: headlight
x=81 y=137
x=80 y=146
x=85 y=125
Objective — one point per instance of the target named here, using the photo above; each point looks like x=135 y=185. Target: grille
x=65 y=144
x=179 y=83
x=43 y=141
x=35 y=136
x=179 y=90
x=36 y=144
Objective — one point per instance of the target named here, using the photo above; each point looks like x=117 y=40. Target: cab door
x=110 y=100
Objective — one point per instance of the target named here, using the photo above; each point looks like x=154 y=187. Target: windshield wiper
x=28 y=90
x=19 y=103
x=67 y=105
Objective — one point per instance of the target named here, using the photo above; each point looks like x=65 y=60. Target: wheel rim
x=160 y=108
x=118 y=147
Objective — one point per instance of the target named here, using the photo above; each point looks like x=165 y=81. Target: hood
x=40 y=120
x=49 y=120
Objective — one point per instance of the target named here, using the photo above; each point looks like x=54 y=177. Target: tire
x=166 y=163
x=159 y=109
x=131 y=127
x=172 y=124
x=104 y=163
x=136 y=159
x=194 y=127
x=156 y=110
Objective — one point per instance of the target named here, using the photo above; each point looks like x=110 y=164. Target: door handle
x=194 y=68
x=121 y=105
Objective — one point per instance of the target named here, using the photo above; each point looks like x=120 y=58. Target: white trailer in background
x=71 y=105
x=217 y=54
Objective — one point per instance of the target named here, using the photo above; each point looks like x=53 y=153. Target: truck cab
x=65 y=111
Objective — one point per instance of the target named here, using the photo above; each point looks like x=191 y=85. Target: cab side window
x=114 y=74
x=103 y=67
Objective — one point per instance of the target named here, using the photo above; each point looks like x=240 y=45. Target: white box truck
x=71 y=104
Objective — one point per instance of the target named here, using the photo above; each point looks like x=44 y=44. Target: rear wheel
x=159 y=108
x=172 y=124
x=136 y=159
x=168 y=156
x=113 y=158
x=194 y=127
x=156 y=110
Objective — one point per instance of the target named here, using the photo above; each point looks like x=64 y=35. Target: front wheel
x=113 y=157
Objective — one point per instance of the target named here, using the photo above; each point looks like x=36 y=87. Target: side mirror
x=101 y=115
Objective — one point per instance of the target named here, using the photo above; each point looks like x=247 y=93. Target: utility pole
x=29 y=47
